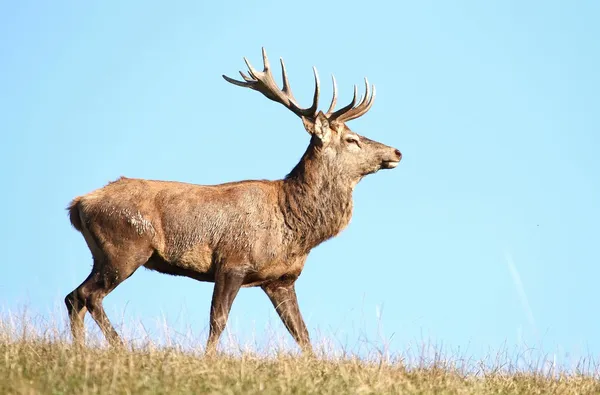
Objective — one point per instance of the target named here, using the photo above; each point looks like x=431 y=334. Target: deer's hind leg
x=109 y=274
x=76 y=310
x=113 y=264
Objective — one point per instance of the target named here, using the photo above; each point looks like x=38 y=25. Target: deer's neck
x=316 y=200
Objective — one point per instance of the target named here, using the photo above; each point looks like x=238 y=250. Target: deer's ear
x=319 y=127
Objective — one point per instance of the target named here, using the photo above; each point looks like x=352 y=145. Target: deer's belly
x=275 y=270
x=195 y=263
x=197 y=259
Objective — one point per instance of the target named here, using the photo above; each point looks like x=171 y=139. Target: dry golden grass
x=34 y=361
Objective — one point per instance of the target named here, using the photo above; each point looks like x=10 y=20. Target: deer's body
x=268 y=227
x=247 y=233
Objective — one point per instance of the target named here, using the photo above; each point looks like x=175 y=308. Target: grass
x=41 y=360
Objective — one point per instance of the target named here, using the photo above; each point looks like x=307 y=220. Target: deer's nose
x=398 y=154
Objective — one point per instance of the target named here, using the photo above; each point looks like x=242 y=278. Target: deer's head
x=332 y=141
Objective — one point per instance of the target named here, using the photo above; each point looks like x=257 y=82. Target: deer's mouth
x=389 y=164
x=392 y=160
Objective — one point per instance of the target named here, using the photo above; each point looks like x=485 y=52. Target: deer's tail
x=74 y=215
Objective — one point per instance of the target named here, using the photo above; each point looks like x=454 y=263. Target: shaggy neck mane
x=317 y=199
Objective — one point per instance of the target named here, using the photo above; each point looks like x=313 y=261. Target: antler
x=263 y=82
x=351 y=111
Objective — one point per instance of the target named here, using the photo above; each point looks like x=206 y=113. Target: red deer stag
x=239 y=234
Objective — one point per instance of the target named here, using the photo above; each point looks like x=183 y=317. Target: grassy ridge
x=34 y=363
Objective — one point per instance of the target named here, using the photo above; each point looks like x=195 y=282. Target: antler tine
x=368 y=105
x=286 y=84
x=251 y=69
x=249 y=81
x=341 y=111
x=365 y=98
x=263 y=82
x=245 y=77
x=315 y=104
x=239 y=83
x=352 y=112
x=334 y=98
x=266 y=64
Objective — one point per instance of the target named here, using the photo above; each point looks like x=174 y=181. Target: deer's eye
x=352 y=140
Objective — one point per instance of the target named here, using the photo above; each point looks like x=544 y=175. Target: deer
x=251 y=233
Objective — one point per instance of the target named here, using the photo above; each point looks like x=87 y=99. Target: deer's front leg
x=227 y=286
x=283 y=296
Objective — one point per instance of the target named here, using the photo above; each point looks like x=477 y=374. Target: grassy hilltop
x=43 y=361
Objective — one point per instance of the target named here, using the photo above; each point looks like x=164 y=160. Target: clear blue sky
x=486 y=234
